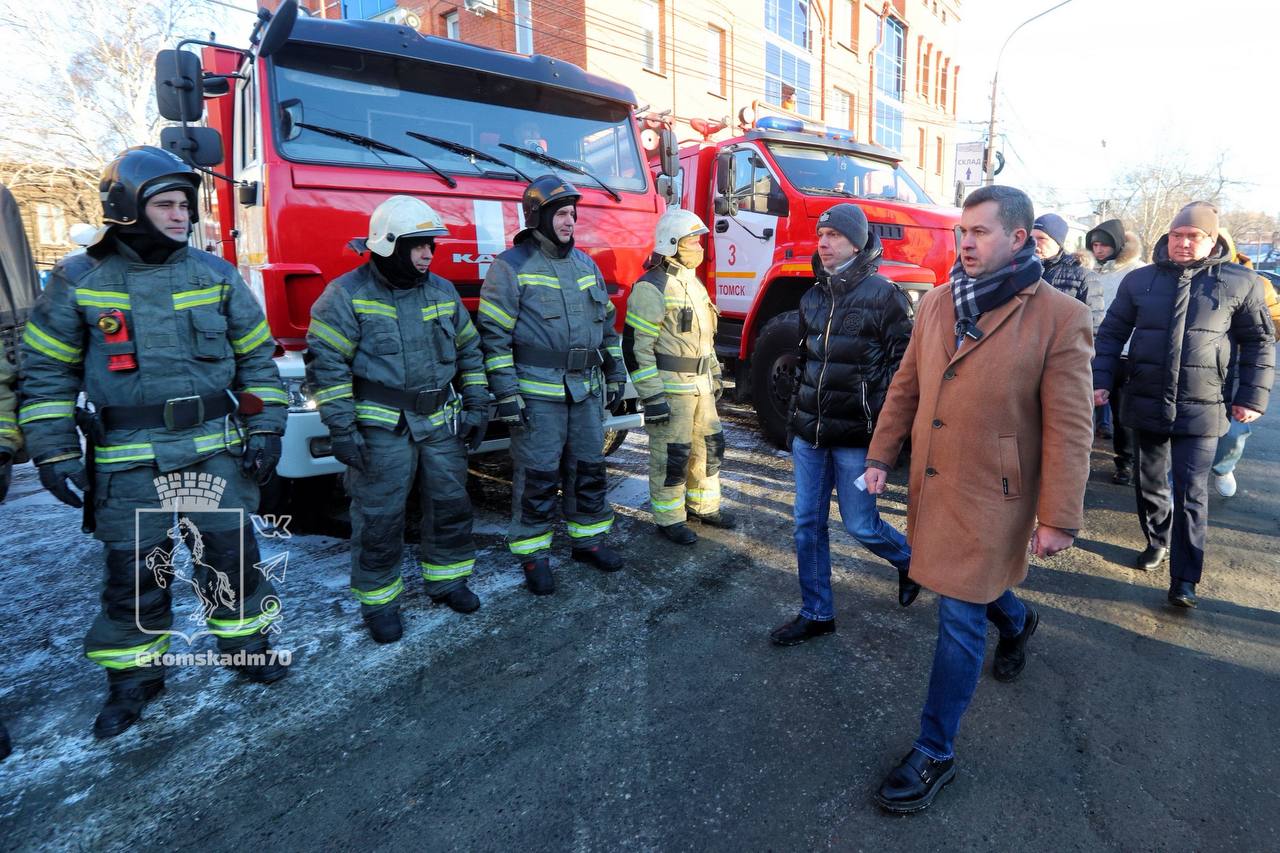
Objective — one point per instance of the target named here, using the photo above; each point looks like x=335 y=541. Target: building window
x=51 y=224
x=920 y=156
x=946 y=72
x=366 y=9
x=937 y=168
x=841 y=109
x=926 y=79
x=451 y=29
x=524 y=26
x=843 y=22
x=651 y=33
x=786 y=77
x=715 y=61
x=789 y=20
x=890 y=60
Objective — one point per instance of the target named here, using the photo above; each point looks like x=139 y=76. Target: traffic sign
x=969 y=163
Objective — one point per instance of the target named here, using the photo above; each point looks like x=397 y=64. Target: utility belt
x=682 y=364
x=421 y=401
x=577 y=360
x=180 y=412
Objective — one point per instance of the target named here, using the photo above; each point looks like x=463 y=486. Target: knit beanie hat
x=1053 y=225
x=849 y=220
x=1198 y=214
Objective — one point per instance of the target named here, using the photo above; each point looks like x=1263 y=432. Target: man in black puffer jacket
x=854 y=328
x=1185 y=311
x=1063 y=269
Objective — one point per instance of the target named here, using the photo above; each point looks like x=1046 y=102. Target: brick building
x=887 y=69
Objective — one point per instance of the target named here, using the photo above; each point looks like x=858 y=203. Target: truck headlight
x=300 y=396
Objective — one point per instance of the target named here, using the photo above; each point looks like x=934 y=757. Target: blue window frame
x=891 y=62
x=785 y=67
x=365 y=9
x=788 y=19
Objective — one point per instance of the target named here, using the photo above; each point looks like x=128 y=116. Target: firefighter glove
x=261 y=456
x=613 y=401
x=54 y=477
x=656 y=410
x=511 y=411
x=349 y=449
x=471 y=430
x=717 y=386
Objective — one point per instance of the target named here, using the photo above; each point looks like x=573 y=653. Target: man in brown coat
x=995 y=391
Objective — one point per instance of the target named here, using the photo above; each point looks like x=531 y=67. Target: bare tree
x=1250 y=226
x=83 y=87
x=1148 y=196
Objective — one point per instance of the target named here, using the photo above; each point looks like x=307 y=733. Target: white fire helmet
x=674 y=226
x=402 y=216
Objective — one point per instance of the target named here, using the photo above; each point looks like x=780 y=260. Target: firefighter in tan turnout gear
x=670 y=347
x=396 y=366
x=171 y=349
x=555 y=363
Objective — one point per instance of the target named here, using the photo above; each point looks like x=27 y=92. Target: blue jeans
x=1230 y=448
x=818 y=471
x=957 y=663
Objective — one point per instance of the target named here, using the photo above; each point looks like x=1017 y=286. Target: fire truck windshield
x=389 y=98
x=831 y=171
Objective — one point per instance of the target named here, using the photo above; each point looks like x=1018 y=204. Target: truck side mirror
x=776 y=203
x=179 y=85
x=668 y=152
x=290 y=118
x=724 y=174
x=216 y=85
x=725 y=206
x=196 y=146
x=279 y=26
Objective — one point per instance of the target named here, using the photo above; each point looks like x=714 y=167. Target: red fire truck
x=761 y=194
x=322 y=120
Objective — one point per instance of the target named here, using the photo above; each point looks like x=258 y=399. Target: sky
x=1099 y=87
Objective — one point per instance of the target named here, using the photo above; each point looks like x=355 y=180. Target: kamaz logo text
x=465 y=258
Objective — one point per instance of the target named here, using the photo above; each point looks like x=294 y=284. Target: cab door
x=744 y=241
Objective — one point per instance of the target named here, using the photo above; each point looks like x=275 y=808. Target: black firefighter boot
x=538 y=577
x=126 y=694
x=384 y=624
x=604 y=559
x=261 y=665
x=460 y=599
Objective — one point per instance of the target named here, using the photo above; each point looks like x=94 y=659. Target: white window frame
x=523 y=19
x=650 y=19
x=716 y=84
x=452 y=30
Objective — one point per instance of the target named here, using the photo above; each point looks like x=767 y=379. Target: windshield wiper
x=827 y=191
x=555 y=162
x=374 y=146
x=466 y=151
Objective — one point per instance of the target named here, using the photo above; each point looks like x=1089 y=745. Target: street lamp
x=991 y=128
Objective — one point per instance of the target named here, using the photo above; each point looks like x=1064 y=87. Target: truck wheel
x=613 y=439
x=774 y=373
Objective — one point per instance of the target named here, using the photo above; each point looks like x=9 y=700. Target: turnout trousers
x=560 y=451
x=190 y=528
x=447 y=552
x=685 y=455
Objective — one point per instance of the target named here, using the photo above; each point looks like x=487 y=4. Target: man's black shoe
x=271 y=670
x=1151 y=558
x=384 y=625
x=912 y=785
x=1182 y=594
x=719 y=518
x=907 y=589
x=6 y=746
x=678 y=533
x=800 y=629
x=1123 y=475
x=460 y=599
x=538 y=577
x=604 y=559
x=124 y=706
x=1011 y=653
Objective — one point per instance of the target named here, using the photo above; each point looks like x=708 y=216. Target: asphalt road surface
x=646 y=710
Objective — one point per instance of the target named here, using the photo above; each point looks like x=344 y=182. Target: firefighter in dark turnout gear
x=399 y=378
x=554 y=362
x=172 y=351
x=670 y=348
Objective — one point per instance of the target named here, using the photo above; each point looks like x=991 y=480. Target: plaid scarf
x=976 y=296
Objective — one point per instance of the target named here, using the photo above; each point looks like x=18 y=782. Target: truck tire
x=613 y=439
x=774 y=372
